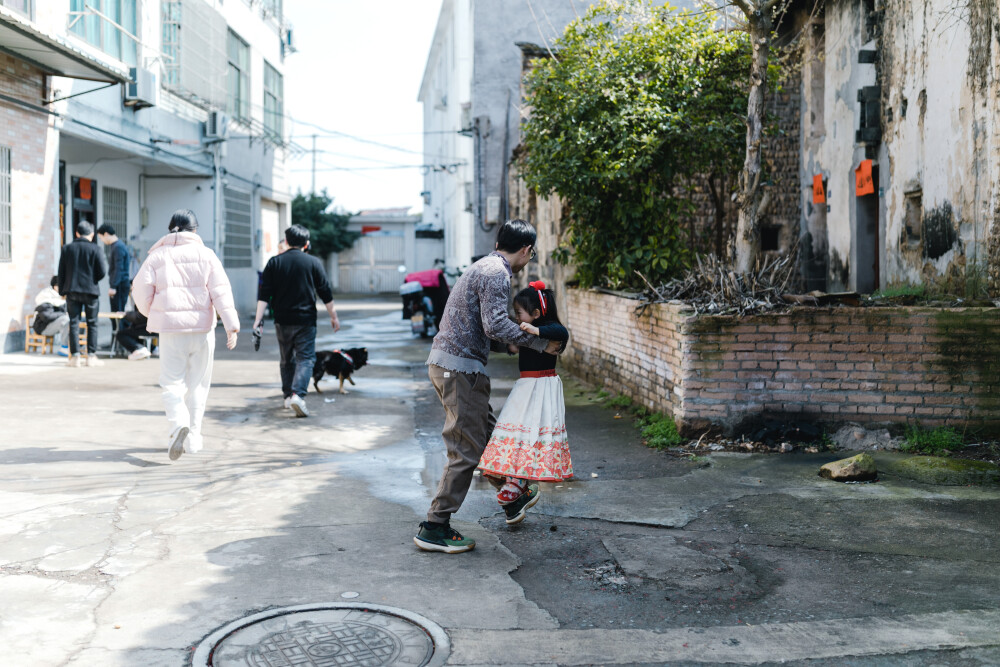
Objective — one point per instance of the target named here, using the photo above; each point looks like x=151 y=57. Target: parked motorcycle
x=424 y=295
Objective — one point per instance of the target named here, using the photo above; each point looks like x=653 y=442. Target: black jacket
x=119 y=265
x=290 y=283
x=530 y=360
x=81 y=267
x=46 y=314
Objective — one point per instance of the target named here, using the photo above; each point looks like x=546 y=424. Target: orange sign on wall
x=863 y=184
x=85 y=192
x=819 y=195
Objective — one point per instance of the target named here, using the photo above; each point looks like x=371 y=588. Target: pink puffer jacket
x=181 y=285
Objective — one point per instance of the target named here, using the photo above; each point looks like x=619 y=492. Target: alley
x=111 y=555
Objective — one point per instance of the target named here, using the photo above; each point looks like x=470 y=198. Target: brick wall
x=927 y=365
x=35 y=246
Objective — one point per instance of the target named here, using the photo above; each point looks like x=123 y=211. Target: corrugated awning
x=21 y=39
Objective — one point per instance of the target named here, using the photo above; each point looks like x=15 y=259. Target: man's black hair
x=54 y=281
x=84 y=228
x=297 y=236
x=183 y=220
x=106 y=229
x=515 y=234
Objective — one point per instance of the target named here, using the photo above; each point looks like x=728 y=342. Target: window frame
x=274 y=113
x=119 y=43
x=28 y=12
x=237 y=77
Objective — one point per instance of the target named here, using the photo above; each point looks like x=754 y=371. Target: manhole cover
x=326 y=635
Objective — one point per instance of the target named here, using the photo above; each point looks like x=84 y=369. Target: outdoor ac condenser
x=143 y=90
x=217 y=126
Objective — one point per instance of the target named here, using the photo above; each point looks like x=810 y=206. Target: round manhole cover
x=322 y=635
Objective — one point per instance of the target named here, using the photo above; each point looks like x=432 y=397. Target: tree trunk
x=747 y=228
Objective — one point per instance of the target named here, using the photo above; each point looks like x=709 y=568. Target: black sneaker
x=445 y=539
x=517 y=510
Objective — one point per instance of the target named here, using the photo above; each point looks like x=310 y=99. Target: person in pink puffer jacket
x=180 y=287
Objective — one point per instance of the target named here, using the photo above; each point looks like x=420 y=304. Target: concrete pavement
x=111 y=555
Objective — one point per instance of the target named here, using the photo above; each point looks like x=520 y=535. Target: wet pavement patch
x=322 y=635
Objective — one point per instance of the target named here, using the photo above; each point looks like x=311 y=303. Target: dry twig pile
x=711 y=287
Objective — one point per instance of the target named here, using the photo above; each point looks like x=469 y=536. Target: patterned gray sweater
x=476 y=314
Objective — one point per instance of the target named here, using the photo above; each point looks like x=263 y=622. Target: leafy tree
x=327 y=230
x=637 y=100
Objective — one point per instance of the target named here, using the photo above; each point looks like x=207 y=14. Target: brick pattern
x=932 y=366
x=34 y=207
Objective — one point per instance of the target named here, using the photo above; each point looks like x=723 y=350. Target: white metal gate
x=371 y=266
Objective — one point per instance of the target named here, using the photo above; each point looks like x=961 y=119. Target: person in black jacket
x=81 y=267
x=290 y=283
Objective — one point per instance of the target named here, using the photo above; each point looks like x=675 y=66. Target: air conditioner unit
x=287 y=43
x=217 y=126
x=143 y=90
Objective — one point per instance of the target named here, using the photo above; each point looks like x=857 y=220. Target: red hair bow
x=539 y=285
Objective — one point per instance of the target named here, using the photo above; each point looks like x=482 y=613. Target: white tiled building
x=190 y=115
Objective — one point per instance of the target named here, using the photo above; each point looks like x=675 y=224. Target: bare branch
x=743 y=7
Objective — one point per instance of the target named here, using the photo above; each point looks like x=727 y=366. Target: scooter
x=424 y=295
x=419 y=308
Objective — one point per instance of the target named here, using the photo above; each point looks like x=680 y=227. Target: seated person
x=51 y=318
x=132 y=326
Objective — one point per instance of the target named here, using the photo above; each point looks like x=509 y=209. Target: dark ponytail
x=530 y=298
x=183 y=220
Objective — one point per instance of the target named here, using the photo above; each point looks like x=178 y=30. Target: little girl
x=529 y=441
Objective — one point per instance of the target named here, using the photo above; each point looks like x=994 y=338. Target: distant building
x=192 y=116
x=390 y=238
x=471 y=97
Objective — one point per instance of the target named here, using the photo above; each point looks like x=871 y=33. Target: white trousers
x=186 y=375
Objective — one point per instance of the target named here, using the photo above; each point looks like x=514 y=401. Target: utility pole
x=314 y=166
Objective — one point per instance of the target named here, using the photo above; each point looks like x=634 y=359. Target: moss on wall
x=969 y=350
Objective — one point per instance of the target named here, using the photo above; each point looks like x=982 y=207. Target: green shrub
x=660 y=431
x=934 y=442
x=621 y=402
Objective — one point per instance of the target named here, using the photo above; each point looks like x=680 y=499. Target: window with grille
x=194 y=41
x=239 y=78
x=5 y=215
x=115 y=210
x=171 y=42
x=237 y=250
x=110 y=25
x=274 y=104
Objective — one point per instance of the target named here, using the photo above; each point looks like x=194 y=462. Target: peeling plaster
x=941 y=133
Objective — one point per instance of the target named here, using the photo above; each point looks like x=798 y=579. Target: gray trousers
x=468 y=425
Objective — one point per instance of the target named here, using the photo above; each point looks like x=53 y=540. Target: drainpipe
x=217 y=198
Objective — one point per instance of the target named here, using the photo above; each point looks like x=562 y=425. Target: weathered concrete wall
x=840 y=155
x=936 y=64
x=937 y=131
x=903 y=365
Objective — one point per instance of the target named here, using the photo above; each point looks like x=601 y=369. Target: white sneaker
x=139 y=354
x=288 y=402
x=75 y=361
x=93 y=361
x=299 y=405
x=176 y=442
x=194 y=443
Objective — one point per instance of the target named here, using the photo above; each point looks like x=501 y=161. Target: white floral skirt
x=529 y=441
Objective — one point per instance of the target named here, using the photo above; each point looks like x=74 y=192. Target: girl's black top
x=529 y=360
